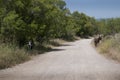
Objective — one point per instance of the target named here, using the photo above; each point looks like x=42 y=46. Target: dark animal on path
x=97 y=40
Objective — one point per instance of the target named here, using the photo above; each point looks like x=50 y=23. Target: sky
x=96 y=8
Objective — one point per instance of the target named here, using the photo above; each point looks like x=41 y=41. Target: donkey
x=97 y=40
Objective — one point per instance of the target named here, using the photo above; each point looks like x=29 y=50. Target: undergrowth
x=111 y=47
x=9 y=56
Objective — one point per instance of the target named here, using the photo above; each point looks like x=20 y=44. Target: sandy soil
x=73 y=61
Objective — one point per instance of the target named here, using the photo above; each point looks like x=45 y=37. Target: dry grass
x=10 y=56
x=115 y=54
x=111 y=48
x=105 y=46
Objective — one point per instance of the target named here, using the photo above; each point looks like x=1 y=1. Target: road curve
x=73 y=61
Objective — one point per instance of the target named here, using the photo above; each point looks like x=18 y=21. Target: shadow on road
x=42 y=49
x=56 y=44
x=56 y=50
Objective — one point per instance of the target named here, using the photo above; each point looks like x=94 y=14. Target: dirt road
x=72 y=61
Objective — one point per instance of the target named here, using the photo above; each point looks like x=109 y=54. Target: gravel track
x=73 y=61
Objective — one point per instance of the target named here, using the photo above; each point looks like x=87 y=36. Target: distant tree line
x=109 y=26
x=42 y=20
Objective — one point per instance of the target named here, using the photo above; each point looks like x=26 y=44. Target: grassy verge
x=110 y=47
x=10 y=56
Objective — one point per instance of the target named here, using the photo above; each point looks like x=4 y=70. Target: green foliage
x=85 y=25
x=40 y=20
x=109 y=26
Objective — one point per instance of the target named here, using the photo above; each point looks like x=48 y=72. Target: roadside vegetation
x=10 y=56
x=110 y=45
x=39 y=21
x=42 y=21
